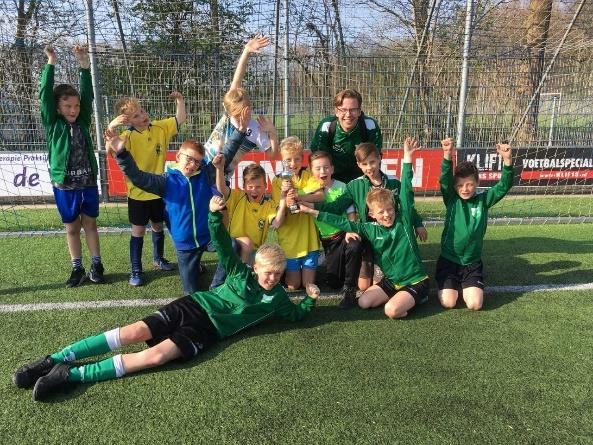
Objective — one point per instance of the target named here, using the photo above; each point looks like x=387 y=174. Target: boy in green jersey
x=183 y=328
x=343 y=251
x=459 y=268
x=393 y=240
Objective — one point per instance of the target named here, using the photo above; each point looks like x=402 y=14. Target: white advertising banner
x=25 y=174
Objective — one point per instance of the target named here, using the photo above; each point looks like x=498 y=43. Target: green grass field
x=517 y=372
x=43 y=218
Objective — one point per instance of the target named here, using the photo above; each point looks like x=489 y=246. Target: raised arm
x=221 y=238
x=406 y=195
x=86 y=84
x=48 y=104
x=254 y=45
x=446 y=180
x=267 y=126
x=502 y=187
x=221 y=186
x=180 y=113
x=148 y=182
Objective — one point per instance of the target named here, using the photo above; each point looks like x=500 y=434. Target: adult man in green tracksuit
x=392 y=237
x=459 y=268
x=184 y=327
x=339 y=134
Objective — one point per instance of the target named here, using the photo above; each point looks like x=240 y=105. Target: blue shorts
x=308 y=261
x=71 y=203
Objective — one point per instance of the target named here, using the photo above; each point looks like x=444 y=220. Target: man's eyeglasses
x=348 y=110
x=189 y=160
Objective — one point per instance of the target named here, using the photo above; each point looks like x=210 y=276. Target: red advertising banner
x=427 y=169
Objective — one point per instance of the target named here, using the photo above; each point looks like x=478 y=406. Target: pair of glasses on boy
x=190 y=160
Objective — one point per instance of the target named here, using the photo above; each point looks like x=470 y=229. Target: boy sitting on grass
x=459 y=267
x=343 y=251
x=250 y=212
x=182 y=328
x=147 y=141
x=368 y=159
x=405 y=283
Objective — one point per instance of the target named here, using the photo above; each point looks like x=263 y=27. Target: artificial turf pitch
x=518 y=371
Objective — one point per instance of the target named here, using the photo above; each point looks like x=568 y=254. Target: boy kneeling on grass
x=182 y=328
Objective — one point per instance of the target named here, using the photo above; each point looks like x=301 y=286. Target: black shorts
x=418 y=291
x=140 y=212
x=450 y=275
x=185 y=323
x=367 y=267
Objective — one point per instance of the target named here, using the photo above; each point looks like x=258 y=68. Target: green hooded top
x=240 y=302
x=57 y=129
x=467 y=219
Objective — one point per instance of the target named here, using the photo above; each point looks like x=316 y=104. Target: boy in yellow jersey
x=147 y=141
x=250 y=212
x=298 y=234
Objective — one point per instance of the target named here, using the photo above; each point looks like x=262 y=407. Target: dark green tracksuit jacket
x=395 y=248
x=356 y=193
x=466 y=220
x=57 y=129
x=240 y=302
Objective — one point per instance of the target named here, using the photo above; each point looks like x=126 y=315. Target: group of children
x=369 y=222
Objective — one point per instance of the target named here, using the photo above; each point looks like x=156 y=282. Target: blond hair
x=380 y=197
x=235 y=100
x=291 y=145
x=271 y=255
x=127 y=105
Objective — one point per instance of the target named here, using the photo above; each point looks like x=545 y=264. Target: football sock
x=158 y=245
x=107 y=369
x=136 y=243
x=76 y=262
x=90 y=346
x=96 y=260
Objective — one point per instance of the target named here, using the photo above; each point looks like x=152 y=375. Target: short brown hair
x=271 y=255
x=127 y=105
x=63 y=91
x=291 y=144
x=235 y=100
x=191 y=144
x=466 y=169
x=380 y=196
x=347 y=93
x=253 y=171
x=364 y=150
x=320 y=155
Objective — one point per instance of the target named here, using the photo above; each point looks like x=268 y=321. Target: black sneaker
x=77 y=277
x=96 y=273
x=47 y=384
x=348 y=298
x=27 y=375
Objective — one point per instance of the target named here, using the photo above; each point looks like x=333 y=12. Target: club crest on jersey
x=475 y=211
x=266 y=298
x=260 y=224
x=158 y=149
x=339 y=148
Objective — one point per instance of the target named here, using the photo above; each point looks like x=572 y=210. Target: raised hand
x=410 y=146
x=351 y=236
x=216 y=204
x=312 y=290
x=258 y=42
x=122 y=119
x=506 y=153
x=447 y=145
x=82 y=54
x=176 y=95
x=266 y=125
x=50 y=52
x=244 y=118
x=218 y=161
x=113 y=141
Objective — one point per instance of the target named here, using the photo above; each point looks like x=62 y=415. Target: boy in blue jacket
x=186 y=190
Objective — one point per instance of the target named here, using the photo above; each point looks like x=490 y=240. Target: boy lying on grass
x=183 y=328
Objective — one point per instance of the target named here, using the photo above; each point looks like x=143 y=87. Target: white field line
x=107 y=304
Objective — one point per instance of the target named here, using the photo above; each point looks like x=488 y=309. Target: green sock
x=88 y=347
x=107 y=369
